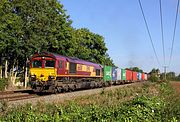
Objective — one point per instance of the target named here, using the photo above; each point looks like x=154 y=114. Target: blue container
x=114 y=74
x=139 y=76
x=118 y=74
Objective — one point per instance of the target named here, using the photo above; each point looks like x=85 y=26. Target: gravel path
x=64 y=96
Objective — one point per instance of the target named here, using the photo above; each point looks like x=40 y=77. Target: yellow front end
x=43 y=74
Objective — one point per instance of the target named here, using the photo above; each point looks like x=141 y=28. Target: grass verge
x=148 y=102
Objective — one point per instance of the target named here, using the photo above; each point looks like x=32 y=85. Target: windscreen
x=49 y=64
x=37 y=64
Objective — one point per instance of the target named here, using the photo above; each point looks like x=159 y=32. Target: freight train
x=50 y=72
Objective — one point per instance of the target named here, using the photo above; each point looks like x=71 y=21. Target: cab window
x=37 y=64
x=97 y=72
x=49 y=64
x=60 y=64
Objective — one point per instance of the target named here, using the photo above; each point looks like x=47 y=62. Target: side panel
x=107 y=73
x=81 y=70
x=123 y=74
x=61 y=67
x=145 y=76
x=134 y=76
x=128 y=75
x=142 y=76
x=139 y=76
x=114 y=74
x=118 y=74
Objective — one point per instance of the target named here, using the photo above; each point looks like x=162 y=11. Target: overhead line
x=174 y=33
x=148 y=32
x=162 y=31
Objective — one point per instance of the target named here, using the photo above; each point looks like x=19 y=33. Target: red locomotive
x=50 y=71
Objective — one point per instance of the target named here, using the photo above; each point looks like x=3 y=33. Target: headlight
x=51 y=77
x=33 y=76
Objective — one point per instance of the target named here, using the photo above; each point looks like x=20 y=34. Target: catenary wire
x=174 y=33
x=148 y=31
x=162 y=32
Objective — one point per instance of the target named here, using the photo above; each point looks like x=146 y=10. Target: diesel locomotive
x=50 y=72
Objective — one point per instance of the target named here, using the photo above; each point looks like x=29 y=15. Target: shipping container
x=142 y=76
x=128 y=75
x=107 y=73
x=139 y=76
x=134 y=76
x=145 y=76
x=114 y=73
x=123 y=74
x=118 y=74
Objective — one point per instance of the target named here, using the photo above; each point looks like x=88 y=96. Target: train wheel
x=56 y=90
x=66 y=88
x=60 y=89
x=73 y=87
x=92 y=85
x=53 y=89
x=37 y=89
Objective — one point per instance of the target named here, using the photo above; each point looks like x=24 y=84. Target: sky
x=121 y=24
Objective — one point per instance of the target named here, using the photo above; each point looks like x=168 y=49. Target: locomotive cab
x=43 y=69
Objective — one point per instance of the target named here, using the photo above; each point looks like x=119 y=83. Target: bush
x=3 y=84
x=144 y=109
x=141 y=108
x=153 y=78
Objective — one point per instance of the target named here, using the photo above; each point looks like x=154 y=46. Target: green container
x=123 y=74
x=107 y=73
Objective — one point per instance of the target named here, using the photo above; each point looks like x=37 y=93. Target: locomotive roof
x=70 y=59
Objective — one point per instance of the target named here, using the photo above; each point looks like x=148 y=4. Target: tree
x=169 y=75
x=29 y=26
x=154 y=75
x=9 y=35
x=155 y=71
x=91 y=46
x=136 y=69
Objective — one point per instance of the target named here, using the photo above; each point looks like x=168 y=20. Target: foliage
x=166 y=88
x=3 y=84
x=153 y=78
x=143 y=108
x=90 y=46
x=171 y=76
x=139 y=109
x=136 y=69
x=30 y=26
x=156 y=71
x=136 y=110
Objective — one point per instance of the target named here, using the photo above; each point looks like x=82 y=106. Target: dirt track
x=176 y=86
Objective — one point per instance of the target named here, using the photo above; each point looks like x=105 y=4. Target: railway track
x=17 y=95
x=28 y=96
x=17 y=91
x=53 y=98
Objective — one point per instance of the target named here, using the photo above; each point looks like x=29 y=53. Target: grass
x=144 y=103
